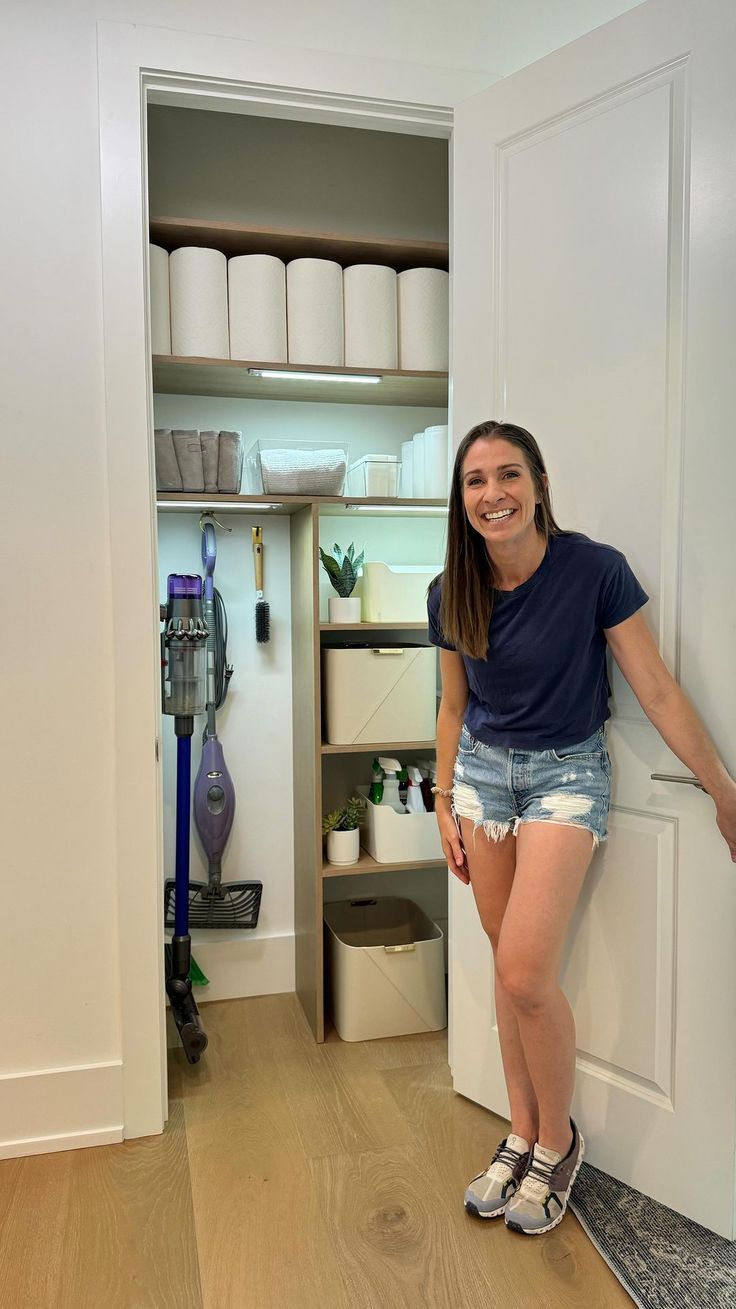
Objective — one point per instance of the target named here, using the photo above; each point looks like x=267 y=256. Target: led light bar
x=291 y=375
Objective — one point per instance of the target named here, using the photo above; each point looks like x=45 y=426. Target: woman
x=523 y=613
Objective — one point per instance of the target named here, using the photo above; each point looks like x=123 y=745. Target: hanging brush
x=263 y=612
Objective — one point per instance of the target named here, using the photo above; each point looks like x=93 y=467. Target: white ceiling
x=490 y=36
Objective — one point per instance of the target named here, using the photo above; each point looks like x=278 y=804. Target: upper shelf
x=181 y=501
x=237 y=239
x=173 y=375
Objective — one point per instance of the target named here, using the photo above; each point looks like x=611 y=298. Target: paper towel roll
x=314 y=312
x=435 y=462
x=371 y=328
x=423 y=319
x=257 y=308
x=418 y=466
x=158 y=260
x=406 y=480
x=198 y=289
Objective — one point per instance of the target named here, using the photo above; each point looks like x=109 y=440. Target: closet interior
x=239 y=184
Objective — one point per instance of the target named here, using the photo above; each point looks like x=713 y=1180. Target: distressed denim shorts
x=498 y=788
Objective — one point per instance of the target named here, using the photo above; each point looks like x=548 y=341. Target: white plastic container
x=387 y=968
x=393 y=838
x=374 y=475
x=396 y=595
x=376 y=694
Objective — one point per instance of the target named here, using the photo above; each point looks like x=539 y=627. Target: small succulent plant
x=346 y=818
x=342 y=568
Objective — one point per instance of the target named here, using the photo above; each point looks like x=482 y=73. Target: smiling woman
x=524 y=613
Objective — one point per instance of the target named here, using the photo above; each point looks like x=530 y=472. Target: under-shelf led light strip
x=291 y=375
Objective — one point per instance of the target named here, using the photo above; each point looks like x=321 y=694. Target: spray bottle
x=375 y=794
x=391 y=768
x=414 y=798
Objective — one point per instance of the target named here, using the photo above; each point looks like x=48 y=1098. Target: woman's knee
x=527 y=988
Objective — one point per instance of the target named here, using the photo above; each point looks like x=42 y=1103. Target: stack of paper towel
x=424 y=465
x=310 y=311
x=189 y=460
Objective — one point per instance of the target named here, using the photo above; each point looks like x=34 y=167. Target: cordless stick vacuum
x=183 y=668
x=214 y=903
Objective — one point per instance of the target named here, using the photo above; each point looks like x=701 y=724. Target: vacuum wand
x=183 y=677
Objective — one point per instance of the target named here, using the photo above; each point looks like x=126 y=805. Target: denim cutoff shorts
x=498 y=788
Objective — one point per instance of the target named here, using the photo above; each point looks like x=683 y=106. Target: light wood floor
x=290 y=1174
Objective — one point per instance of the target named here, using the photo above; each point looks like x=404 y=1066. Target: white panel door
x=594 y=275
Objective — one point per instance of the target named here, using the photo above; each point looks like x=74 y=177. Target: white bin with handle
x=387 y=968
x=379 y=693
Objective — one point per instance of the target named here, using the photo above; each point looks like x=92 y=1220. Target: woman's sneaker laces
x=489 y=1192
x=540 y=1202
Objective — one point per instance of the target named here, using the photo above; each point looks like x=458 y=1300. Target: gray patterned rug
x=660 y=1258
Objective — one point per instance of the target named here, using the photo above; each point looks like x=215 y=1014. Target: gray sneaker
x=541 y=1200
x=490 y=1192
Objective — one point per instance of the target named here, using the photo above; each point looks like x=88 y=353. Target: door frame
x=136 y=65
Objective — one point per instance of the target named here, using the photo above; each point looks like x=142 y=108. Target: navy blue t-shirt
x=544 y=682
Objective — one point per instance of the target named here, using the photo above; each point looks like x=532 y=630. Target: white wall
x=59 y=929
x=62 y=983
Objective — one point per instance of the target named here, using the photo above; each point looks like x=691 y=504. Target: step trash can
x=387 y=968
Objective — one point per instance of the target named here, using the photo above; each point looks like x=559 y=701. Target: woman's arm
x=449 y=725
x=668 y=708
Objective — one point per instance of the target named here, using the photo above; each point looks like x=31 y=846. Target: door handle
x=673 y=777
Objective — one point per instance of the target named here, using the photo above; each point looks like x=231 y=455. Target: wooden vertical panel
x=307 y=733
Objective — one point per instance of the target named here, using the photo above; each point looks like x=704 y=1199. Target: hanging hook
x=212 y=518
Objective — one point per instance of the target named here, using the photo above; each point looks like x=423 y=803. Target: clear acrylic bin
x=289 y=467
x=376 y=476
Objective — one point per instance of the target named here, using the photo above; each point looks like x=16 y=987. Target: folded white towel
x=303 y=472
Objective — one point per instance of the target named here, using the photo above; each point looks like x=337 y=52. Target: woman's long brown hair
x=468 y=578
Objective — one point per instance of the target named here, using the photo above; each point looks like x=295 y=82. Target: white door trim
x=133 y=62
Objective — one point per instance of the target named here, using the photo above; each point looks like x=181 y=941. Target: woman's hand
x=725 y=803
x=452 y=845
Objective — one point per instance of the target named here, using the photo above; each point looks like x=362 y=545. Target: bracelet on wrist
x=442 y=790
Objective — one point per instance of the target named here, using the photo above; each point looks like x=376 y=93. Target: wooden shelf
x=229 y=378
x=379 y=747
x=182 y=501
x=373 y=627
x=289 y=243
x=367 y=864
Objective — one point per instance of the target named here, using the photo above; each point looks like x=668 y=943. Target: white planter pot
x=343 y=847
x=344 y=609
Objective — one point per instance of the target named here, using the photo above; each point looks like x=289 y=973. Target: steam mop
x=214 y=903
x=183 y=668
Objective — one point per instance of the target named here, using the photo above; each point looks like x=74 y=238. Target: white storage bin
x=398 y=838
x=387 y=968
x=287 y=467
x=396 y=595
x=374 y=475
x=381 y=693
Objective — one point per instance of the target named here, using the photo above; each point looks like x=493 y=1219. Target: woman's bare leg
x=491 y=865
x=551 y=863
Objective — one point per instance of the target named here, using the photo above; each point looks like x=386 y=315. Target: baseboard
x=239 y=964
x=54 y=1109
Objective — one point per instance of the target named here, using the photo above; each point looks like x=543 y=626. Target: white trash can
x=387 y=968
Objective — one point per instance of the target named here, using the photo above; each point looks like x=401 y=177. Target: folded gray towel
x=210 y=442
x=230 y=465
x=168 y=477
x=189 y=457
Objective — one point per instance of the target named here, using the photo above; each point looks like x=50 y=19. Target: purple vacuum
x=215 y=903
